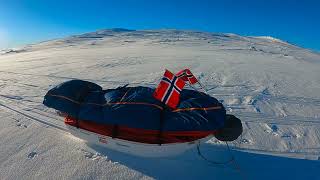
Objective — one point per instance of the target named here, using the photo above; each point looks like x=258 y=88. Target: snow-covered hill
x=273 y=86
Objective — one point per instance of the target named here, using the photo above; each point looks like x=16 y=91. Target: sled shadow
x=191 y=166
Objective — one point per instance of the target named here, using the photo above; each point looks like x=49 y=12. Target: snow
x=271 y=85
x=272 y=39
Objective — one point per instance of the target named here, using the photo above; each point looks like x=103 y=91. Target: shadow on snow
x=191 y=166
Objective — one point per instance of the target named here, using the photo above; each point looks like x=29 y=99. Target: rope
x=236 y=164
x=232 y=160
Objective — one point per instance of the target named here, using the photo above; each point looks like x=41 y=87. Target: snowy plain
x=271 y=85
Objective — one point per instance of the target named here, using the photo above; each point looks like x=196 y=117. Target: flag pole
x=201 y=87
x=193 y=87
x=184 y=73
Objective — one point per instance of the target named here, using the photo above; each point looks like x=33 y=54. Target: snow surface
x=273 y=86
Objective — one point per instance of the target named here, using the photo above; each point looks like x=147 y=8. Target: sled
x=134 y=148
x=131 y=120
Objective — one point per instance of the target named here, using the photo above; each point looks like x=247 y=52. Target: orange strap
x=63 y=97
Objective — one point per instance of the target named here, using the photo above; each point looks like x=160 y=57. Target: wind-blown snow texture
x=273 y=86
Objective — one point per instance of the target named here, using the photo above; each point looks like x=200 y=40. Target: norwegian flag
x=187 y=75
x=169 y=89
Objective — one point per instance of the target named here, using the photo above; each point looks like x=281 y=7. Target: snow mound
x=269 y=38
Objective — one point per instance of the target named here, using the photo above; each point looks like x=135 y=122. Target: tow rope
x=232 y=160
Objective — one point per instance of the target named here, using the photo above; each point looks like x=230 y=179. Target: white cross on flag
x=169 y=89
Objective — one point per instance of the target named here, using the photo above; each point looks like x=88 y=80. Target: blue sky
x=28 y=21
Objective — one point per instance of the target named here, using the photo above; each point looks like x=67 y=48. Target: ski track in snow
x=280 y=128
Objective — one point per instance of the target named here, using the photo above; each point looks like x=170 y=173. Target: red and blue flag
x=187 y=75
x=169 y=89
